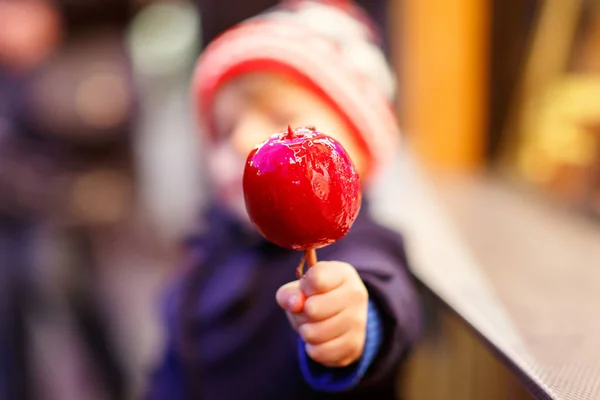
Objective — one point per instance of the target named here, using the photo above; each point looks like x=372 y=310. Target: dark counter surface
x=522 y=273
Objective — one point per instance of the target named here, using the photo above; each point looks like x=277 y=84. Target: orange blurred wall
x=441 y=48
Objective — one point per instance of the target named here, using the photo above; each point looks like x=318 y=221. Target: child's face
x=251 y=108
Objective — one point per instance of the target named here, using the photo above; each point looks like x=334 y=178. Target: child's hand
x=328 y=308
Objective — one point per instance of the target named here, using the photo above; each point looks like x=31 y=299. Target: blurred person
x=232 y=320
x=30 y=32
x=66 y=182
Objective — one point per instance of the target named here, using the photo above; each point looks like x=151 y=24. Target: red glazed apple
x=301 y=189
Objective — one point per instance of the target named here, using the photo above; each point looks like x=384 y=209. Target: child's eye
x=221 y=134
x=223 y=130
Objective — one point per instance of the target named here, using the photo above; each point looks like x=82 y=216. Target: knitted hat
x=330 y=47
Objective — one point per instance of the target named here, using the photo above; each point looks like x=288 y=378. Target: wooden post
x=442 y=51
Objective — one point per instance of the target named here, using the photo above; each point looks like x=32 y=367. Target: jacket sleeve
x=380 y=259
x=327 y=379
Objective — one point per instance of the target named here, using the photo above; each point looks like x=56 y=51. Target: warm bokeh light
x=102 y=100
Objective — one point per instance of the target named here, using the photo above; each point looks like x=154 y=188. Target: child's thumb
x=290 y=297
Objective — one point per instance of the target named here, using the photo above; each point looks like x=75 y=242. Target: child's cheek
x=226 y=169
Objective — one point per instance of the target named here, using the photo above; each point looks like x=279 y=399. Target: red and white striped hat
x=328 y=46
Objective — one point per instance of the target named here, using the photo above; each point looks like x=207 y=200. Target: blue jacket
x=228 y=339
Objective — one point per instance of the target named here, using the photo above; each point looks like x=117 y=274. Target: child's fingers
x=290 y=297
x=323 y=277
x=339 y=352
x=323 y=306
x=329 y=329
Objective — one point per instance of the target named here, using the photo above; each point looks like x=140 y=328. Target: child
x=304 y=63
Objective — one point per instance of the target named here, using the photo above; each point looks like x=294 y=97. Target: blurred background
x=101 y=170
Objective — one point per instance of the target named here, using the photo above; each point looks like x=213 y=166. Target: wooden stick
x=311 y=257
